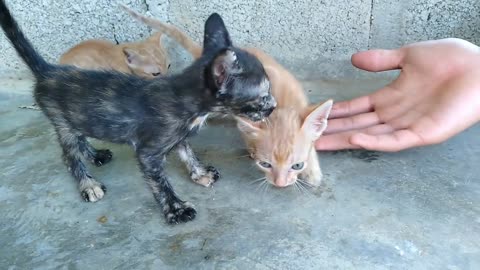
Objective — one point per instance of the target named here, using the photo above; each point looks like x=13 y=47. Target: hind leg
x=98 y=157
x=199 y=173
x=72 y=143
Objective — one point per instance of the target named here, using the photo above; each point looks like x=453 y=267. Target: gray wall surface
x=312 y=38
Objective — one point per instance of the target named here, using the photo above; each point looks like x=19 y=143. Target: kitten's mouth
x=259 y=115
x=255 y=117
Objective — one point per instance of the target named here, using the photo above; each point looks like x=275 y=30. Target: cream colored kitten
x=147 y=58
x=283 y=145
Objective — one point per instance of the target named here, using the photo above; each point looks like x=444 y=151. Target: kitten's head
x=236 y=78
x=147 y=58
x=281 y=145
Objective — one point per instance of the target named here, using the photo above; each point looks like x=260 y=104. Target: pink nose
x=280 y=183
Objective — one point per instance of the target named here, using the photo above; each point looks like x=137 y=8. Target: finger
x=378 y=60
x=337 y=141
x=351 y=107
x=354 y=122
x=379 y=129
x=390 y=142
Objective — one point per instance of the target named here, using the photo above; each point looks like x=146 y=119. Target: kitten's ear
x=248 y=127
x=132 y=58
x=315 y=122
x=224 y=65
x=216 y=35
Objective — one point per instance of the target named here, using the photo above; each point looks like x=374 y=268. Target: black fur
x=153 y=116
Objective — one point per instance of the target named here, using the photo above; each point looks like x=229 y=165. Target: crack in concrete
x=370 y=24
x=147 y=6
x=168 y=11
x=115 y=33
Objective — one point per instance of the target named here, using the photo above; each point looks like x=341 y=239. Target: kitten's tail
x=24 y=48
x=179 y=36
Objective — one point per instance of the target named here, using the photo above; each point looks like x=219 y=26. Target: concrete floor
x=418 y=209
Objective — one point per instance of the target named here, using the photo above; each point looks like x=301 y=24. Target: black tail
x=37 y=64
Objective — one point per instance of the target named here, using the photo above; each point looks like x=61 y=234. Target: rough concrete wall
x=312 y=38
x=398 y=22
x=53 y=26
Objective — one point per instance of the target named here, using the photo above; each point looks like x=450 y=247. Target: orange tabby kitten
x=283 y=145
x=147 y=58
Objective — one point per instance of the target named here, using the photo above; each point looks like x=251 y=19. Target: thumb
x=378 y=60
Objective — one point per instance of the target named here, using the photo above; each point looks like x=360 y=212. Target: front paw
x=208 y=176
x=179 y=212
x=102 y=157
x=92 y=190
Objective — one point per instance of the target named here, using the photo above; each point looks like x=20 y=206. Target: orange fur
x=287 y=136
x=146 y=58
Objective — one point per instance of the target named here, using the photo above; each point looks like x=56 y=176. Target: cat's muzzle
x=263 y=110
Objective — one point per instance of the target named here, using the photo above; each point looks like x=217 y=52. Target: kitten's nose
x=270 y=102
x=269 y=105
x=280 y=184
x=281 y=176
x=280 y=181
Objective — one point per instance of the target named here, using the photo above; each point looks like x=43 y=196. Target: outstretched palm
x=436 y=96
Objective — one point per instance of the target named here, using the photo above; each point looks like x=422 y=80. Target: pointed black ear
x=216 y=35
x=224 y=65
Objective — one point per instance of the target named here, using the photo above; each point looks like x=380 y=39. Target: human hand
x=436 y=96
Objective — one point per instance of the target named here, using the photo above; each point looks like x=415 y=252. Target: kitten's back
x=95 y=54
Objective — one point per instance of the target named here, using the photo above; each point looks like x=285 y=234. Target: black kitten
x=154 y=116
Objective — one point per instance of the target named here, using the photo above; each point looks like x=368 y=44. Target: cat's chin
x=254 y=117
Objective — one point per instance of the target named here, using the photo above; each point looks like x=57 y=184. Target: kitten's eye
x=169 y=66
x=298 y=166
x=156 y=74
x=265 y=164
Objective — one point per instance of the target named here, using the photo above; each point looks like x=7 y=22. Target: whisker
x=305 y=186
x=300 y=187
x=261 y=178
x=258 y=180
x=266 y=188
x=295 y=187
x=305 y=183
x=267 y=122
x=259 y=187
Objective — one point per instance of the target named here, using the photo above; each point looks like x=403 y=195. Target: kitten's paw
x=210 y=176
x=92 y=190
x=102 y=157
x=179 y=212
x=213 y=172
